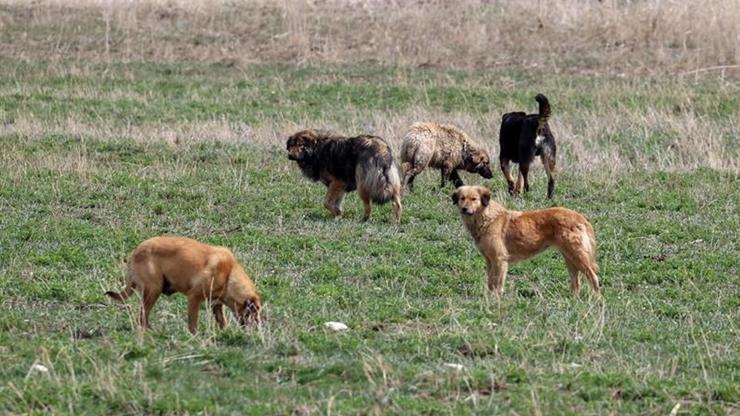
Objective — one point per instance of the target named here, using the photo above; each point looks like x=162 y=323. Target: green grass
x=72 y=206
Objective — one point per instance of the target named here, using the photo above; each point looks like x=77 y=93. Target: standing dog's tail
x=544 y=109
x=589 y=243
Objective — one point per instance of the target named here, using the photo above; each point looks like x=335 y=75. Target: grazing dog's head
x=471 y=199
x=248 y=311
x=301 y=144
x=478 y=161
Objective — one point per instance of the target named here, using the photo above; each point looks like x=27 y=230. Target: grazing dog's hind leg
x=193 y=306
x=149 y=298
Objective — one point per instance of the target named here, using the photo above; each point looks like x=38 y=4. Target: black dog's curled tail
x=544 y=109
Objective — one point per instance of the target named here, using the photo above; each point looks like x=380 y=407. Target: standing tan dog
x=441 y=146
x=199 y=271
x=504 y=236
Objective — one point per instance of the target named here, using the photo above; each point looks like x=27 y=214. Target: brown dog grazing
x=441 y=146
x=200 y=271
x=504 y=236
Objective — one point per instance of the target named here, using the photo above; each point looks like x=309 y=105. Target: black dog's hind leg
x=524 y=175
x=548 y=162
x=506 y=169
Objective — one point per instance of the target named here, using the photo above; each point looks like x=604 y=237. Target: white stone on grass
x=336 y=326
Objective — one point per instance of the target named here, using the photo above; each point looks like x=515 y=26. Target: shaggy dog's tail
x=544 y=109
x=379 y=175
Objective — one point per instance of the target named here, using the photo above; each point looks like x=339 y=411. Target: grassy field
x=96 y=158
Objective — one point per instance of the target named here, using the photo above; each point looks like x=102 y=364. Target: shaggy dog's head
x=478 y=161
x=471 y=199
x=301 y=144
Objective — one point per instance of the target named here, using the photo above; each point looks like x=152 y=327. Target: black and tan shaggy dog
x=522 y=138
x=504 y=236
x=343 y=164
x=444 y=147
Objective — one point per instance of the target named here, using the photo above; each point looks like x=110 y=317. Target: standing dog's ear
x=455 y=197
x=485 y=196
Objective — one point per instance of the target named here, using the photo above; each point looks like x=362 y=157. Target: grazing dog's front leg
x=218 y=313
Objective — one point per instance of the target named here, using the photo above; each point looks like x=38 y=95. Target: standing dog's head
x=471 y=199
x=478 y=161
x=301 y=144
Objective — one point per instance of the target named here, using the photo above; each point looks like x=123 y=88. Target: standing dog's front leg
x=496 y=269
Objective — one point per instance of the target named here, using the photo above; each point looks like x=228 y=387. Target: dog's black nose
x=486 y=173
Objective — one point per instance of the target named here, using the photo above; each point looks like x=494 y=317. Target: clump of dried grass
x=610 y=36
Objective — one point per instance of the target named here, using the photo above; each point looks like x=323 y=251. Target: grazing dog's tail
x=379 y=175
x=128 y=290
x=544 y=109
x=122 y=295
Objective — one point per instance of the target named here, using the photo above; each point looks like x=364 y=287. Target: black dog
x=522 y=138
x=344 y=164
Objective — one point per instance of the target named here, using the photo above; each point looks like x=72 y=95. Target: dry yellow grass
x=583 y=36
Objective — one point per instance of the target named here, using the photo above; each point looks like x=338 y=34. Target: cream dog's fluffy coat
x=199 y=271
x=504 y=236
